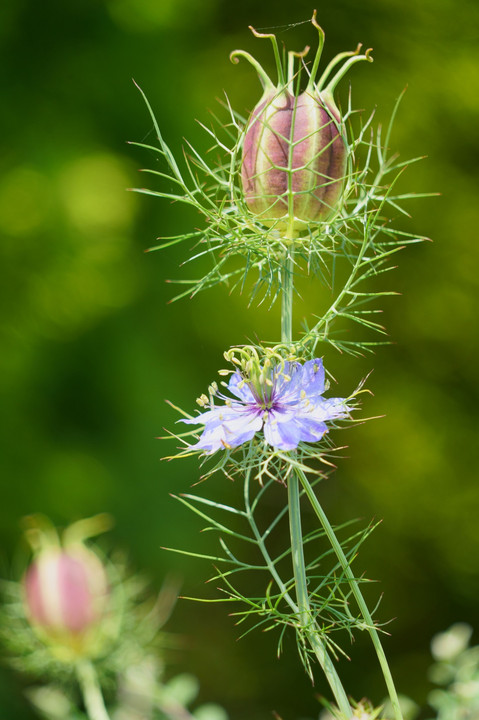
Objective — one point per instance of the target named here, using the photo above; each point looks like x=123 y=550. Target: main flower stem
x=296 y=535
x=305 y=616
x=306 y=619
x=287 y=287
x=343 y=561
x=91 y=691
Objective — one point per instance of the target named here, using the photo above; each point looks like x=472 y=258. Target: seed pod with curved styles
x=294 y=159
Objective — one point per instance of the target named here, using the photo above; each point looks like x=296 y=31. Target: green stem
x=368 y=621
x=91 y=691
x=312 y=336
x=287 y=297
x=296 y=533
x=305 y=617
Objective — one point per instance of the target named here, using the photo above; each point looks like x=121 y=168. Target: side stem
x=368 y=620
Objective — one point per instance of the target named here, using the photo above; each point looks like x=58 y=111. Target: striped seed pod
x=294 y=157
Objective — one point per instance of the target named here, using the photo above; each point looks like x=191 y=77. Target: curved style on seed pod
x=294 y=159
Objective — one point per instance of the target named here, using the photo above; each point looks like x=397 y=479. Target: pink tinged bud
x=294 y=159
x=66 y=591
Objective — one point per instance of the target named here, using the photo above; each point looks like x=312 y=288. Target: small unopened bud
x=66 y=595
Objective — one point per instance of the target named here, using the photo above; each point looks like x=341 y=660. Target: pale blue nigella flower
x=285 y=402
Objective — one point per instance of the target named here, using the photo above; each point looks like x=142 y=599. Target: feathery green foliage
x=316 y=593
x=346 y=253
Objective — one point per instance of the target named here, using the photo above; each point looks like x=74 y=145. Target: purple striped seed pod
x=66 y=593
x=294 y=159
x=294 y=156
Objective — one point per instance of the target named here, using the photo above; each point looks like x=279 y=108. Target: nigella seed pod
x=294 y=161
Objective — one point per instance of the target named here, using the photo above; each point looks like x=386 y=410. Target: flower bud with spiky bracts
x=66 y=592
x=294 y=161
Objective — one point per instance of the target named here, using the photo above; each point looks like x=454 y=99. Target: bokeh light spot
x=94 y=193
x=25 y=200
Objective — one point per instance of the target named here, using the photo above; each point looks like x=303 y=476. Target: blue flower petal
x=228 y=428
x=312 y=377
x=281 y=433
x=322 y=409
x=237 y=386
x=213 y=414
x=310 y=430
x=288 y=384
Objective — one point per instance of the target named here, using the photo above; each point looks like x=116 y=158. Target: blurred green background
x=90 y=348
